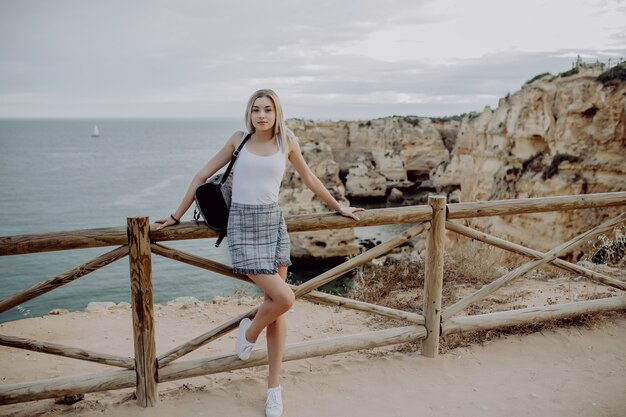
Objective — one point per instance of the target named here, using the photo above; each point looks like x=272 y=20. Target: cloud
x=196 y=58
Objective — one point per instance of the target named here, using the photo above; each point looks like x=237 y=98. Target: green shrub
x=617 y=73
x=536 y=77
x=456 y=117
x=569 y=73
x=412 y=120
x=611 y=252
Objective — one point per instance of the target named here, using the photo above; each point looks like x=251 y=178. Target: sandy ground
x=573 y=371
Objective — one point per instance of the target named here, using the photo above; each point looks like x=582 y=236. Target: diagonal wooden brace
x=64 y=278
x=530 y=253
x=522 y=269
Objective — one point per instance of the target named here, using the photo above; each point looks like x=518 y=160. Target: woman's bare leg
x=276 y=337
x=278 y=300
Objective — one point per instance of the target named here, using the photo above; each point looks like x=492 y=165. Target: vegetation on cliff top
x=457 y=117
x=537 y=77
x=617 y=73
x=569 y=73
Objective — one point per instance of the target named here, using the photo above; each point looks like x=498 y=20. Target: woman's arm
x=218 y=161
x=314 y=184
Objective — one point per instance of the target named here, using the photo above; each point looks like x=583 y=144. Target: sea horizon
x=223 y=118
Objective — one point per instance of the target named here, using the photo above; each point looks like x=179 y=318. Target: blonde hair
x=282 y=133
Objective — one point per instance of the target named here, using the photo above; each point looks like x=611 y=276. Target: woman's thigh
x=273 y=286
x=282 y=271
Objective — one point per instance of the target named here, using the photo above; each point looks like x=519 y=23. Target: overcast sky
x=326 y=59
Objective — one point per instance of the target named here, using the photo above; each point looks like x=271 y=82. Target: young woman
x=257 y=235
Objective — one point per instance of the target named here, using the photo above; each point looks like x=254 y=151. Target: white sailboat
x=96 y=132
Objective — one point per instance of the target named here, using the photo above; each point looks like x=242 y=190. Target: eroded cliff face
x=395 y=151
x=361 y=160
x=296 y=198
x=555 y=136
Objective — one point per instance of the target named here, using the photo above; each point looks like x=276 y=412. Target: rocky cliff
x=376 y=155
x=557 y=135
x=295 y=198
x=361 y=160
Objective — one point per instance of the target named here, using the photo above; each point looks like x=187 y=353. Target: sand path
x=568 y=372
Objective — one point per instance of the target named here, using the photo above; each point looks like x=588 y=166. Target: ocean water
x=55 y=177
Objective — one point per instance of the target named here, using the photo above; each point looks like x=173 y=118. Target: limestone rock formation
x=400 y=149
x=558 y=135
x=364 y=181
x=396 y=195
x=372 y=157
x=296 y=198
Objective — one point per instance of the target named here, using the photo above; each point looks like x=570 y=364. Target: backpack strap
x=220 y=238
x=232 y=161
x=225 y=177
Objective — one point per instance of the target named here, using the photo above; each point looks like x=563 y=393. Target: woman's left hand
x=164 y=222
x=349 y=212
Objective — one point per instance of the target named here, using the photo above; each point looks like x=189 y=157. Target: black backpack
x=214 y=196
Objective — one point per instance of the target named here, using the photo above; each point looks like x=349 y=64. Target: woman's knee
x=276 y=290
x=284 y=300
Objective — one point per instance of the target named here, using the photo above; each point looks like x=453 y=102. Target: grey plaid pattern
x=257 y=238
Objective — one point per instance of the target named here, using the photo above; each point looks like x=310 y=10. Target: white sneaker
x=243 y=347
x=274 y=402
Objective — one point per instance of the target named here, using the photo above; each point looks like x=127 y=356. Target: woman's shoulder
x=236 y=137
x=238 y=134
x=292 y=139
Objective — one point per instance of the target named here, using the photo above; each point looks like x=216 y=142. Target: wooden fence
x=139 y=242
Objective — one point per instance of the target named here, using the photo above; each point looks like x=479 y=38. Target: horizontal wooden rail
x=534 y=205
x=66 y=351
x=522 y=250
x=90 y=238
x=522 y=269
x=59 y=387
x=71 y=385
x=309 y=349
x=64 y=278
x=57 y=241
x=314 y=296
x=531 y=315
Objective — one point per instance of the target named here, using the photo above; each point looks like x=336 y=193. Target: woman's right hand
x=164 y=222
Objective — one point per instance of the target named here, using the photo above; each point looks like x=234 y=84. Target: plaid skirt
x=257 y=238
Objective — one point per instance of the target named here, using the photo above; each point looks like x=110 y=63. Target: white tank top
x=256 y=179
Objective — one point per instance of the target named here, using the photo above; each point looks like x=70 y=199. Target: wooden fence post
x=433 y=276
x=143 y=311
